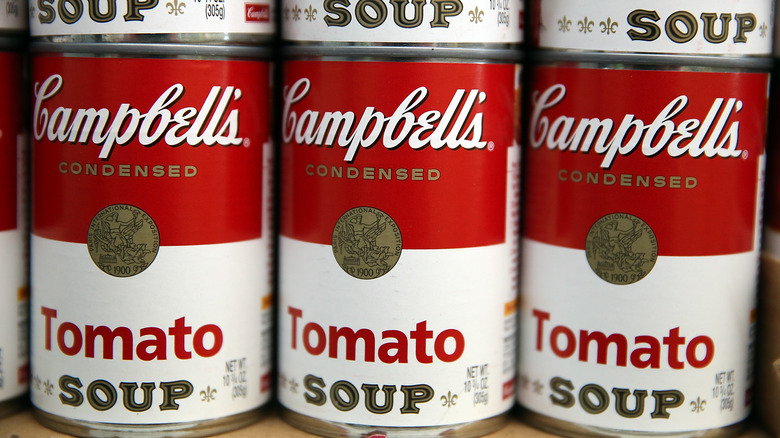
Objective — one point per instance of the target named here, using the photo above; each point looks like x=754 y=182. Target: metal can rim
x=8 y=43
x=203 y=38
x=354 y=52
x=151 y=50
x=654 y=59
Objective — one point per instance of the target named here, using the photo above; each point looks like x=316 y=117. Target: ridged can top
x=403 y=21
x=681 y=27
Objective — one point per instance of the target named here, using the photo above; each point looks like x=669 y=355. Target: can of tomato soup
x=398 y=250
x=642 y=211
x=14 y=296
x=399 y=216
x=151 y=238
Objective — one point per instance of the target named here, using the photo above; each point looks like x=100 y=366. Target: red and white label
x=733 y=27
x=433 y=146
x=682 y=152
x=13 y=232
x=189 y=147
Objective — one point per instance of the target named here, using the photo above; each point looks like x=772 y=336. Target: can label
x=421 y=21
x=398 y=252
x=657 y=204
x=13 y=233
x=151 y=238
x=82 y=17
x=663 y=26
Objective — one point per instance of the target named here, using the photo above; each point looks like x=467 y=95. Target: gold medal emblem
x=123 y=240
x=621 y=248
x=366 y=242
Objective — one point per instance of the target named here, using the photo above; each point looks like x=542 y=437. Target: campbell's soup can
x=219 y=22
x=398 y=246
x=622 y=341
x=14 y=292
x=151 y=240
x=644 y=173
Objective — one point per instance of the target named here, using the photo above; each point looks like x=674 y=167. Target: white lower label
x=251 y=17
x=444 y=21
x=13 y=15
x=430 y=343
x=188 y=339
x=423 y=347
x=13 y=316
x=733 y=27
x=669 y=353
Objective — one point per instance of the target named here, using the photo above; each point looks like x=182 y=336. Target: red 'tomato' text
x=448 y=345
x=72 y=340
x=646 y=351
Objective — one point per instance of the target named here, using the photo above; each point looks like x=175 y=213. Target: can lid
x=13 y=16
x=208 y=17
x=718 y=27
x=403 y=21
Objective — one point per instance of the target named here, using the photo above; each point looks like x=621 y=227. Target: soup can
x=151 y=238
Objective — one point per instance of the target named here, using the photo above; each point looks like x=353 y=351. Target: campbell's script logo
x=459 y=126
x=713 y=136
x=211 y=124
x=257 y=13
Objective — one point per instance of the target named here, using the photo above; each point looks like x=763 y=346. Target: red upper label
x=11 y=126
x=680 y=150
x=424 y=142
x=180 y=139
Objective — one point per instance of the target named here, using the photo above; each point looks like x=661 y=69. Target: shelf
x=23 y=425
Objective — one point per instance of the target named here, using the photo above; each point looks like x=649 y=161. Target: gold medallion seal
x=621 y=248
x=366 y=242
x=123 y=240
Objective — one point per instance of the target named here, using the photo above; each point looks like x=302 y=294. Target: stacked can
x=399 y=216
x=642 y=215
x=14 y=297
x=151 y=231
x=768 y=353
